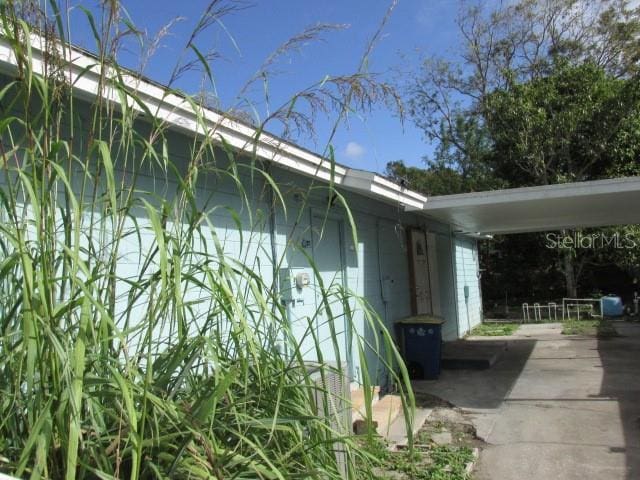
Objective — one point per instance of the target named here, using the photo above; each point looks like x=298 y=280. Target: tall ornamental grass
x=133 y=344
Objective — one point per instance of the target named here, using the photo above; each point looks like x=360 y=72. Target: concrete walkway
x=554 y=406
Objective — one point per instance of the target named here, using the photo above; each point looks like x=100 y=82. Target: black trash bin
x=421 y=345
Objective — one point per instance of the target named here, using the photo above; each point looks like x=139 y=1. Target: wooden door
x=419 y=279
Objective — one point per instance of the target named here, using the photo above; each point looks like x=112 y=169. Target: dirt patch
x=444 y=448
x=448 y=420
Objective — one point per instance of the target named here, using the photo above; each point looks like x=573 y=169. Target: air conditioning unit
x=332 y=394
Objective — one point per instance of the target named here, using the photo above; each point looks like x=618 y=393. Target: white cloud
x=354 y=150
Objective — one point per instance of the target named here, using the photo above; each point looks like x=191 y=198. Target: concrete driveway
x=554 y=406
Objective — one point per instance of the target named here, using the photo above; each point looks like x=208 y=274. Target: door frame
x=412 y=269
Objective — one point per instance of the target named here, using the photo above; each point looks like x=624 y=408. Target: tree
x=544 y=92
x=452 y=169
x=576 y=124
x=517 y=44
x=430 y=180
x=569 y=126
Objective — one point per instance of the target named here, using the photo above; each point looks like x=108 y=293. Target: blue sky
x=247 y=37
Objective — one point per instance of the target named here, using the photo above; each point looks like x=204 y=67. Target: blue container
x=421 y=345
x=612 y=306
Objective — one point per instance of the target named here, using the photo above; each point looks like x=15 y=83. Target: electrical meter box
x=293 y=282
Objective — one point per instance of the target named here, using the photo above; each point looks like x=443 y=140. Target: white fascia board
x=371 y=183
x=84 y=75
x=398 y=188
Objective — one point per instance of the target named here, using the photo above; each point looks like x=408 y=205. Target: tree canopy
x=578 y=123
x=543 y=92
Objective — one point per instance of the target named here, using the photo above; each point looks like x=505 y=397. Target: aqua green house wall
x=376 y=268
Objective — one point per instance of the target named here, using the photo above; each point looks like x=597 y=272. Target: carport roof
x=534 y=209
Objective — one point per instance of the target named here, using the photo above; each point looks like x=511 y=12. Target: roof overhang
x=85 y=74
x=535 y=209
x=586 y=204
x=373 y=185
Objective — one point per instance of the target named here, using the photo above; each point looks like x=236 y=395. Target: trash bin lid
x=428 y=319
